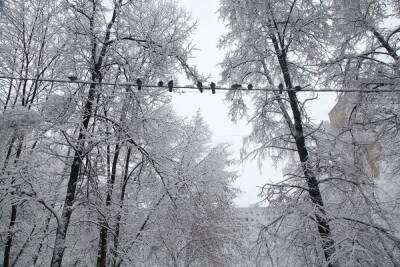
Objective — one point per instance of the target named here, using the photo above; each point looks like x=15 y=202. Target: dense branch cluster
x=107 y=175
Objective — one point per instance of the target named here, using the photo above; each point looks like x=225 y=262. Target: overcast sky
x=214 y=109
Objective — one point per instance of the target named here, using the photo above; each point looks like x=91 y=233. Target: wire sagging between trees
x=212 y=86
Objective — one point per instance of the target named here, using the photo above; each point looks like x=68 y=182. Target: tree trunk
x=316 y=198
x=312 y=183
x=61 y=232
x=102 y=253
x=7 y=250
x=121 y=205
x=298 y=135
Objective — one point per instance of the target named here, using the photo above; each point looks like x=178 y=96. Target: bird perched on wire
x=280 y=87
x=139 y=84
x=236 y=86
x=250 y=86
x=72 y=78
x=170 y=85
x=160 y=84
x=200 y=86
x=212 y=86
x=297 y=88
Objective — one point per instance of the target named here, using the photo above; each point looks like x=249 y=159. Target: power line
x=208 y=88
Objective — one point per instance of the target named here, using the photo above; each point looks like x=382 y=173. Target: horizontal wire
x=204 y=87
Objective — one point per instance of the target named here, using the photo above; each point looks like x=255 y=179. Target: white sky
x=215 y=111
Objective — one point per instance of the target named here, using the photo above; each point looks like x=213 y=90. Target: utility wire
x=233 y=88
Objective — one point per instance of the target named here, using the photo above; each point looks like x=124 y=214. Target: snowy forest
x=98 y=169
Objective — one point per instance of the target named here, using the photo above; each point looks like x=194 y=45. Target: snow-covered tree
x=29 y=48
x=340 y=44
x=272 y=43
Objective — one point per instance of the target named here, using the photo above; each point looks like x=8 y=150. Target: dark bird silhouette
x=200 y=86
x=212 y=86
x=139 y=84
x=280 y=86
x=72 y=78
x=160 y=84
x=250 y=86
x=297 y=88
x=170 y=85
x=236 y=86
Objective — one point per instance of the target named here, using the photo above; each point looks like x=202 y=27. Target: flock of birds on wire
x=199 y=85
